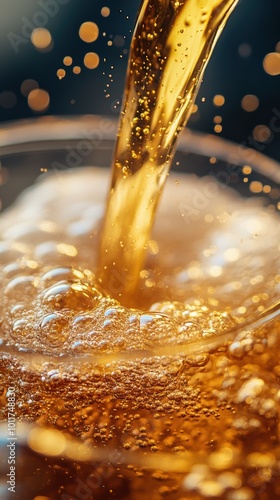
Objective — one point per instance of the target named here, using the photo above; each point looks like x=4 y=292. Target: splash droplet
x=76 y=70
x=91 y=60
x=105 y=11
x=218 y=100
x=67 y=61
x=88 y=32
x=42 y=39
x=38 y=100
x=250 y=103
x=61 y=73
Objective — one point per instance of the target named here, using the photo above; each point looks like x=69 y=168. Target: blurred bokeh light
x=76 y=54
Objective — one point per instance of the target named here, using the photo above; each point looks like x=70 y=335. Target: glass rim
x=49 y=132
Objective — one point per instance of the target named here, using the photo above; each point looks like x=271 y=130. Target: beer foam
x=52 y=298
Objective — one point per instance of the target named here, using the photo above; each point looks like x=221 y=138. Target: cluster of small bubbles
x=71 y=310
x=37 y=99
x=56 y=274
x=66 y=292
x=19 y=285
x=256 y=187
x=42 y=40
x=76 y=296
x=4 y=176
x=193 y=320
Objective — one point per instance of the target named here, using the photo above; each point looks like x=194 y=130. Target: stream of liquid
x=171 y=46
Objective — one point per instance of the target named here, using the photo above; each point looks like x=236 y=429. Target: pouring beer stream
x=171 y=45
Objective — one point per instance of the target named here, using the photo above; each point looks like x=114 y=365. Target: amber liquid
x=171 y=46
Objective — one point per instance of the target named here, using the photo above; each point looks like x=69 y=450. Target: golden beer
x=137 y=364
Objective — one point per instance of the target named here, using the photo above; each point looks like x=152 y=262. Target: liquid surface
x=172 y=43
x=54 y=298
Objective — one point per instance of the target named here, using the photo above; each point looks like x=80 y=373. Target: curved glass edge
x=44 y=133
